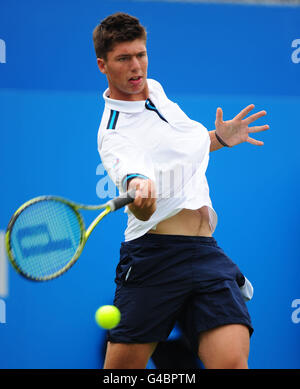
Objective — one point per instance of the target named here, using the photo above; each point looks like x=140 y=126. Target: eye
x=123 y=59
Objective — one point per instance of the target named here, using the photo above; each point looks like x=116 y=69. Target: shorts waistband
x=172 y=239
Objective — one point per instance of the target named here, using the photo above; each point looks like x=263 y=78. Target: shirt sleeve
x=123 y=160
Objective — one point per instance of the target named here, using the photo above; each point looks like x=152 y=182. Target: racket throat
x=96 y=221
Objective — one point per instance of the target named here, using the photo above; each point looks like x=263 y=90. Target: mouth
x=136 y=80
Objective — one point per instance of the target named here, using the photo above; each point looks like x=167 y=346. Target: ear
x=101 y=65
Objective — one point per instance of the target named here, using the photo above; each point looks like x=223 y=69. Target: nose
x=135 y=64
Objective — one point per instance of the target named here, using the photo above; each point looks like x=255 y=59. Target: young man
x=171 y=268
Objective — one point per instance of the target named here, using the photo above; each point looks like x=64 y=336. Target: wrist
x=126 y=181
x=220 y=140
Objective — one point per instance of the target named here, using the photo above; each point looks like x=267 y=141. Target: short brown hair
x=116 y=28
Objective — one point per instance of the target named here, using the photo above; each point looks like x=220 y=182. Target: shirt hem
x=213 y=219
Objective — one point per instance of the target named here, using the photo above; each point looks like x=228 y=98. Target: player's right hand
x=144 y=204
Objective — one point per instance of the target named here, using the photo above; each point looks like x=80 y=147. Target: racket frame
x=84 y=234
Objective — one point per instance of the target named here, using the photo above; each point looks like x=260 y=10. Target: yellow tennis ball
x=108 y=316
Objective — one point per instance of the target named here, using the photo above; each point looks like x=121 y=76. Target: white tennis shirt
x=157 y=140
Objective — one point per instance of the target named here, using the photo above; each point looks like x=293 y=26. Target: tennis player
x=171 y=268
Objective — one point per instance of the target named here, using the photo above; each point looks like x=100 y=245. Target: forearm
x=214 y=143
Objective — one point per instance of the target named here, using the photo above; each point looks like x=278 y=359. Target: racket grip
x=121 y=201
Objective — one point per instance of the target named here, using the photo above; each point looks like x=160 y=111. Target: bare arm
x=214 y=143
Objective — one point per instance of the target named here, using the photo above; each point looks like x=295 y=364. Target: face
x=126 y=70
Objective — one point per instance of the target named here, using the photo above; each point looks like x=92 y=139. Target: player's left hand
x=237 y=130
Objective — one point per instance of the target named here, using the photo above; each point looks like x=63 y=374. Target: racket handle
x=121 y=201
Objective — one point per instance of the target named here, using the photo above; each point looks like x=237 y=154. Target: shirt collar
x=122 y=105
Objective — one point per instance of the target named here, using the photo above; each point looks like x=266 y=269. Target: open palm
x=237 y=130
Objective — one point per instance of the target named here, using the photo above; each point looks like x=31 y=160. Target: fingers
x=145 y=192
x=258 y=128
x=219 y=115
x=254 y=142
x=237 y=129
x=244 y=112
x=255 y=116
x=144 y=204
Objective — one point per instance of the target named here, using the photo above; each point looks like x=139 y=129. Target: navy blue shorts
x=162 y=280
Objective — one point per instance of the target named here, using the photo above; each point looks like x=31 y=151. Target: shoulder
x=155 y=87
x=108 y=124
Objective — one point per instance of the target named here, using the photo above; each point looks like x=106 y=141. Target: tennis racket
x=46 y=235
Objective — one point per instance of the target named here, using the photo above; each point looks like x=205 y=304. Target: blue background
x=50 y=108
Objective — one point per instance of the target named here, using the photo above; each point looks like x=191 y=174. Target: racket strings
x=45 y=237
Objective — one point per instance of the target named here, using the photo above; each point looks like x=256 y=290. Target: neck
x=119 y=95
